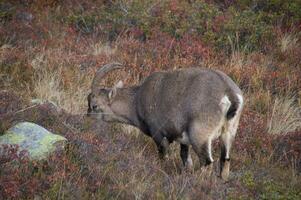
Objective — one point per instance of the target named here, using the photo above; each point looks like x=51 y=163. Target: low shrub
x=253 y=30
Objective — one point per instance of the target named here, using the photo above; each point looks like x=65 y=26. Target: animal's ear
x=113 y=91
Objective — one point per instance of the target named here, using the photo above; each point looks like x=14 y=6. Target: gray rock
x=34 y=139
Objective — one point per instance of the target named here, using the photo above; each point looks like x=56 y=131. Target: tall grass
x=238 y=54
x=49 y=86
x=285 y=116
x=287 y=42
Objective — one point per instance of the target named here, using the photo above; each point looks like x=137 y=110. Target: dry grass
x=287 y=42
x=237 y=60
x=101 y=48
x=285 y=116
x=131 y=130
x=259 y=101
x=238 y=57
x=49 y=86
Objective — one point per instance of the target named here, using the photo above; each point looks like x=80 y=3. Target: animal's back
x=167 y=101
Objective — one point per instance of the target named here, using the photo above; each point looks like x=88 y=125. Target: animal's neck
x=124 y=106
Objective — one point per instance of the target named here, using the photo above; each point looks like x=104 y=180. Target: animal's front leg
x=162 y=145
x=186 y=157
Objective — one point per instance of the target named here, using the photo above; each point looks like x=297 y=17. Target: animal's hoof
x=225 y=176
x=225 y=171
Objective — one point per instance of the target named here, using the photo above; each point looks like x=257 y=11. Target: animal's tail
x=236 y=104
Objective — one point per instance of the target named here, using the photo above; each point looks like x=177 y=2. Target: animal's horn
x=102 y=72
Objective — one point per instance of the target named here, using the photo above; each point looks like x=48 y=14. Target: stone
x=36 y=140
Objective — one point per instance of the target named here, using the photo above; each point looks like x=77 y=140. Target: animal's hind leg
x=225 y=158
x=227 y=137
x=201 y=139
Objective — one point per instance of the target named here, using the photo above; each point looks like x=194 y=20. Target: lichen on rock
x=34 y=139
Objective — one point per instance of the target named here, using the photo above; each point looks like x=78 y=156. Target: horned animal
x=192 y=106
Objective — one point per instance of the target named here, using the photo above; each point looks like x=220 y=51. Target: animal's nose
x=94 y=107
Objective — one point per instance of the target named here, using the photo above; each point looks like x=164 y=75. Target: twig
x=24 y=109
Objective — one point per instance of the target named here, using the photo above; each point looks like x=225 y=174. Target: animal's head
x=100 y=99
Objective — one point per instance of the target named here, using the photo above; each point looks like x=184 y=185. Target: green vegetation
x=252 y=22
